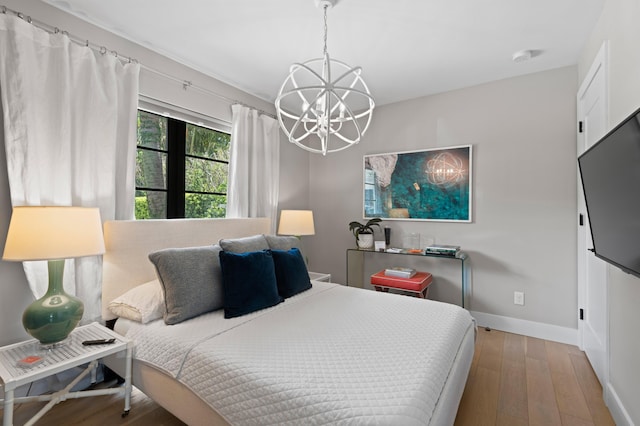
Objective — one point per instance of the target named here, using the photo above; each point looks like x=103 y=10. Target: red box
x=419 y=283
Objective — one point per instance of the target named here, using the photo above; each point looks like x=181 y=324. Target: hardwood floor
x=100 y=410
x=514 y=380
x=517 y=380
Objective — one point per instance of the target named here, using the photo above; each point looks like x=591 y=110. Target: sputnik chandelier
x=445 y=169
x=324 y=105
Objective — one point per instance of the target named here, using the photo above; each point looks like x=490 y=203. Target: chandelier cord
x=324 y=53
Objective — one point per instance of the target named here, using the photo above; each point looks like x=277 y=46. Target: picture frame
x=433 y=184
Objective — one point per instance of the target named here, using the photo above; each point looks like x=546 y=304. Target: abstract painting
x=432 y=184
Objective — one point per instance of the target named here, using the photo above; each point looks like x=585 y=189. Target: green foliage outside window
x=206 y=157
x=142 y=208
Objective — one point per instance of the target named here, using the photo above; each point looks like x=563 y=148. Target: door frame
x=599 y=64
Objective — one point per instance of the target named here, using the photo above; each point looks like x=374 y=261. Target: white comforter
x=332 y=354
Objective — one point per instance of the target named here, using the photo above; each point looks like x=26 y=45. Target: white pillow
x=142 y=303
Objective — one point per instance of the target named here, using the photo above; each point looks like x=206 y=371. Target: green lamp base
x=51 y=318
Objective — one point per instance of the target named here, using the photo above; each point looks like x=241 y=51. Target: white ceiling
x=407 y=48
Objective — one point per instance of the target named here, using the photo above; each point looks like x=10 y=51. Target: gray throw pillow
x=244 y=245
x=277 y=242
x=192 y=281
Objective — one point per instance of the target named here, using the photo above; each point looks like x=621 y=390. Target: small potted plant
x=364 y=232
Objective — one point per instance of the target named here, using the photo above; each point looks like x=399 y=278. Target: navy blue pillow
x=248 y=282
x=291 y=272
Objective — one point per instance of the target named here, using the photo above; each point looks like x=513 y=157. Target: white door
x=592 y=272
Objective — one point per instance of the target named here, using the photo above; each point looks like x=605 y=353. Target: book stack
x=443 y=249
x=399 y=272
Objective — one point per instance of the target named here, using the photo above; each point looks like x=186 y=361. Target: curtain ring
x=56 y=30
x=186 y=84
x=86 y=43
x=21 y=16
x=103 y=50
x=114 y=53
x=65 y=33
x=4 y=10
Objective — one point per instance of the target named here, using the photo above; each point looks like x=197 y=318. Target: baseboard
x=528 y=328
x=620 y=416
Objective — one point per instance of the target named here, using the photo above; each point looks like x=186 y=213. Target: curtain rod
x=186 y=84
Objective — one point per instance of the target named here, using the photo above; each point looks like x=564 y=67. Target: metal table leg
x=7 y=419
x=127 y=381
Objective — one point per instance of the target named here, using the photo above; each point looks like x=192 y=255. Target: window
x=370 y=198
x=181 y=168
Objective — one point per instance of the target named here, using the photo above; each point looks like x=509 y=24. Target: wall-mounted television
x=610 y=173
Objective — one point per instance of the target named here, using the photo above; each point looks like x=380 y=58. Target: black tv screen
x=610 y=172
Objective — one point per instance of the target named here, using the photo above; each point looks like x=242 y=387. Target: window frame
x=177 y=120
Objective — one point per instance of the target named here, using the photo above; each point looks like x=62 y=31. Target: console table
x=355 y=267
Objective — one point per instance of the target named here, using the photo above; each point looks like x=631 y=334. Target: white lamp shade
x=51 y=232
x=296 y=222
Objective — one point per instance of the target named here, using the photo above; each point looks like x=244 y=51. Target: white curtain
x=70 y=137
x=254 y=166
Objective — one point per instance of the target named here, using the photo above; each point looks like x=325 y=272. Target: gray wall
x=619 y=25
x=524 y=192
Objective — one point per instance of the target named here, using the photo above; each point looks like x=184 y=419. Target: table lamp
x=296 y=222
x=53 y=234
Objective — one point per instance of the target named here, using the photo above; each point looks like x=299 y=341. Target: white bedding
x=332 y=354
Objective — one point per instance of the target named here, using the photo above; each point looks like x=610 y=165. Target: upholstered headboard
x=129 y=242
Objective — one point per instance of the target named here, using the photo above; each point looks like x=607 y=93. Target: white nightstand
x=319 y=276
x=68 y=355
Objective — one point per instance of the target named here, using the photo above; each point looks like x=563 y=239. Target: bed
x=328 y=355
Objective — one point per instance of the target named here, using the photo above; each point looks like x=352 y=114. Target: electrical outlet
x=518 y=298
